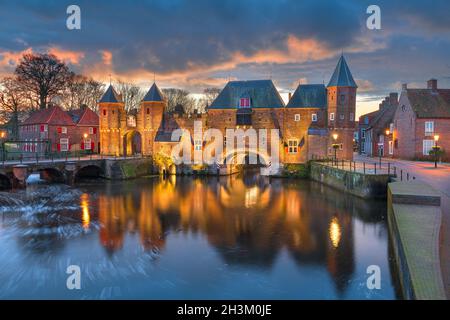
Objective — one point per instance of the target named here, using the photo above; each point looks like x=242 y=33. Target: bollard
x=401 y=175
x=364 y=167
x=407 y=176
x=389 y=168
x=375 y=166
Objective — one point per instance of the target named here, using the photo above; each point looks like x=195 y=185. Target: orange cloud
x=67 y=56
x=106 y=57
x=11 y=58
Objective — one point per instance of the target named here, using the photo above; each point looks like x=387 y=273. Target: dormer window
x=244 y=103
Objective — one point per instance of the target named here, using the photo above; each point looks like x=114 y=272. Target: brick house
x=56 y=130
x=422 y=114
x=378 y=130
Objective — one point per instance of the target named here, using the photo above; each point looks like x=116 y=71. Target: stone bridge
x=14 y=174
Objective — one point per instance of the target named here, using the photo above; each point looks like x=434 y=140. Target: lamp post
x=335 y=146
x=436 y=149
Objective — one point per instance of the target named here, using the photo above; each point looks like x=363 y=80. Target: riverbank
x=414 y=219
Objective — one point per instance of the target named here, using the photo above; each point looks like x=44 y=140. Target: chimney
x=432 y=84
x=290 y=96
x=404 y=87
x=393 y=98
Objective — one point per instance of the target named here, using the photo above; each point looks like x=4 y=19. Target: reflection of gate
x=132 y=143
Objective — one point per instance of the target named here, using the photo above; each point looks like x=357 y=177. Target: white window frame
x=45 y=127
x=427 y=146
x=391 y=147
x=64 y=142
x=293 y=146
x=342 y=116
x=332 y=116
x=429 y=128
x=91 y=129
x=297 y=117
x=363 y=133
x=391 y=127
x=87 y=144
x=352 y=117
x=314 y=117
x=64 y=130
x=198 y=145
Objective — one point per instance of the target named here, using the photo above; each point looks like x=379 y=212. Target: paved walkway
x=439 y=179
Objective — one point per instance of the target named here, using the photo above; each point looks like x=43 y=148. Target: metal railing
x=372 y=167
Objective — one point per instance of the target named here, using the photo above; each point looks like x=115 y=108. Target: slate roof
x=342 y=77
x=53 y=115
x=262 y=94
x=309 y=96
x=154 y=94
x=430 y=104
x=110 y=95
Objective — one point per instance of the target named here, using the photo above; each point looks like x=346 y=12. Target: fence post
x=401 y=174
x=407 y=176
x=395 y=171
x=389 y=168
x=364 y=167
x=375 y=165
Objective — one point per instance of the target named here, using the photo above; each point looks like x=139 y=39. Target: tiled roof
x=342 y=77
x=53 y=115
x=430 y=104
x=262 y=94
x=153 y=94
x=110 y=95
x=309 y=96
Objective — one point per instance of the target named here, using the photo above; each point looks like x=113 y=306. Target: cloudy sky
x=193 y=44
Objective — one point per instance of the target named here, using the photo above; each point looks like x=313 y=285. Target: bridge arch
x=231 y=157
x=89 y=171
x=5 y=182
x=51 y=175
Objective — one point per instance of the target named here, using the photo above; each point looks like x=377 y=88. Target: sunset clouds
x=195 y=44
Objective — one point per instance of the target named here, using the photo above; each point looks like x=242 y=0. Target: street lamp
x=436 y=149
x=85 y=135
x=335 y=146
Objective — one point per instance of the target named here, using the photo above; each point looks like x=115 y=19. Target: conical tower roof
x=342 y=77
x=153 y=94
x=110 y=95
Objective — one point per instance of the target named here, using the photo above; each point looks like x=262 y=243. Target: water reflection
x=252 y=223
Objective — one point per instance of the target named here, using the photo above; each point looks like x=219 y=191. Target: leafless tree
x=179 y=99
x=209 y=95
x=43 y=76
x=132 y=95
x=13 y=104
x=81 y=91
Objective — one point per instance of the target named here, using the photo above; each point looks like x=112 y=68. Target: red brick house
x=56 y=130
x=422 y=114
x=378 y=131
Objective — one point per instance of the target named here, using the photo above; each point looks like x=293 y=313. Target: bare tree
x=81 y=91
x=43 y=75
x=132 y=95
x=13 y=104
x=209 y=95
x=179 y=99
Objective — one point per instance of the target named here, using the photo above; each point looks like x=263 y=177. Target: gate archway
x=132 y=143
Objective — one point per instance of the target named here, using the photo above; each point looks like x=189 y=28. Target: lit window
x=332 y=116
x=64 y=144
x=198 y=145
x=244 y=103
x=293 y=146
x=314 y=117
x=427 y=146
x=297 y=117
x=391 y=147
x=87 y=144
x=63 y=130
x=429 y=128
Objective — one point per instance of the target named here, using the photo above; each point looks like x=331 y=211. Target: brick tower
x=112 y=122
x=150 y=118
x=341 y=101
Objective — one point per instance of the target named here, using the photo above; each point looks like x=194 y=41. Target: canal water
x=238 y=237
